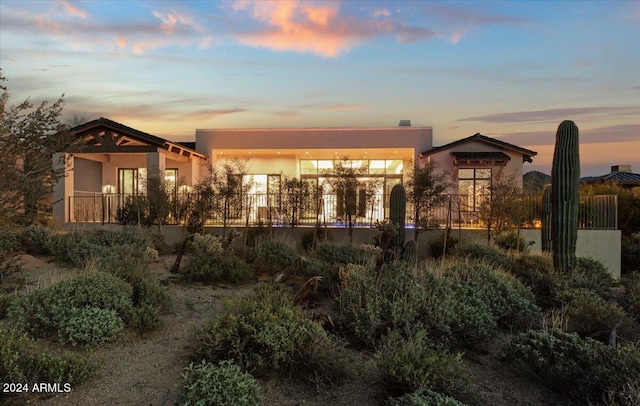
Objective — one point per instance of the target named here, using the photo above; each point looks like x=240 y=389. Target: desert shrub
x=511 y=241
x=630 y=254
x=223 y=384
x=476 y=251
x=275 y=254
x=631 y=300
x=398 y=298
x=129 y=263
x=327 y=272
x=148 y=292
x=436 y=245
x=336 y=253
x=41 y=311
x=5 y=301
x=590 y=314
x=20 y=361
x=89 y=326
x=584 y=369
x=411 y=363
x=537 y=273
x=35 y=239
x=255 y=234
x=9 y=246
x=264 y=332
x=423 y=397
x=9 y=240
x=217 y=268
x=510 y=303
x=322 y=234
x=78 y=248
x=590 y=274
x=145 y=317
x=159 y=243
x=210 y=262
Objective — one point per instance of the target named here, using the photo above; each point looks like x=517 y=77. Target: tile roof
x=498 y=156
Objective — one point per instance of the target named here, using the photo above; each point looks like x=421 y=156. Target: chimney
x=621 y=168
x=404 y=123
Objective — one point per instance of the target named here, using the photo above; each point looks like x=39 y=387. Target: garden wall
x=603 y=245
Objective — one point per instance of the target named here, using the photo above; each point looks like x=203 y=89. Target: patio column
x=63 y=188
x=156 y=161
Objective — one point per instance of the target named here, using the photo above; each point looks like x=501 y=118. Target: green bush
x=210 y=262
x=398 y=298
x=630 y=254
x=476 y=251
x=264 y=332
x=89 y=326
x=129 y=263
x=21 y=362
x=423 y=397
x=145 y=317
x=631 y=300
x=223 y=384
x=275 y=254
x=336 y=253
x=537 y=273
x=41 y=311
x=413 y=362
x=590 y=274
x=148 y=292
x=9 y=240
x=79 y=247
x=584 y=369
x=510 y=303
x=217 y=268
x=511 y=241
x=35 y=239
x=590 y=314
x=436 y=245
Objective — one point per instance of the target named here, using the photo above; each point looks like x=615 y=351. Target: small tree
x=344 y=180
x=425 y=189
x=221 y=194
x=29 y=136
x=158 y=196
x=502 y=207
x=297 y=196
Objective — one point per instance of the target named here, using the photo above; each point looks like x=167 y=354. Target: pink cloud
x=73 y=10
x=314 y=27
x=381 y=12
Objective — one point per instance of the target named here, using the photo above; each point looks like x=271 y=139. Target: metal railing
x=594 y=212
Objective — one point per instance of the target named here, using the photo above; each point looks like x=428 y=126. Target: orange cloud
x=295 y=26
x=73 y=10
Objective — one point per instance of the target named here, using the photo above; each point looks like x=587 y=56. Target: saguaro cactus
x=410 y=252
x=546 y=218
x=397 y=212
x=565 y=177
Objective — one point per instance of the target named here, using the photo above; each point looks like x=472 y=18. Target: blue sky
x=511 y=70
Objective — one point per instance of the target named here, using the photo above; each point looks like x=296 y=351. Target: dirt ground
x=144 y=369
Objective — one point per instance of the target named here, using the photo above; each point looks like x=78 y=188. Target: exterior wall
x=603 y=245
x=88 y=176
x=514 y=167
x=270 y=165
x=209 y=142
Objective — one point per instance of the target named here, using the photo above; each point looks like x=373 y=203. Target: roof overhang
x=496 y=158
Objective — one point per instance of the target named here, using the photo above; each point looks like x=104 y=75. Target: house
x=620 y=175
x=113 y=158
x=112 y=163
x=475 y=163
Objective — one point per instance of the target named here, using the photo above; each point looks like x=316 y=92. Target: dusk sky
x=511 y=70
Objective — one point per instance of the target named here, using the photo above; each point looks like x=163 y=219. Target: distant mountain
x=534 y=181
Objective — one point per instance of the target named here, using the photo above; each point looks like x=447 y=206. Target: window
x=133 y=180
x=473 y=185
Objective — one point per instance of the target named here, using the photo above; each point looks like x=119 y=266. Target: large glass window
x=133 y=180
x=473 y=187
x=370 y=167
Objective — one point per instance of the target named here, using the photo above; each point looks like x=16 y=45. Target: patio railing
x=594 y=212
